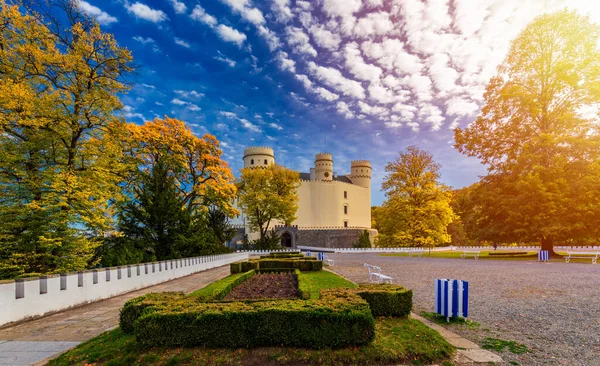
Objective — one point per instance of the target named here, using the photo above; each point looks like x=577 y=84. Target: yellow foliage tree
x=417 y=210
x=60 y=141
x=268 y=194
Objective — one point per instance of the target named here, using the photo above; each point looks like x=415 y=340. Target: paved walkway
x=33 y=341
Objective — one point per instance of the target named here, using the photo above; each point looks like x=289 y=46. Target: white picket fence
x=25 y=298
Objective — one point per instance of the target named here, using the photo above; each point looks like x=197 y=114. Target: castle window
x=345 y=194
x=345 y=209
x=265 y=161
x=345 y=223
x=251 y=161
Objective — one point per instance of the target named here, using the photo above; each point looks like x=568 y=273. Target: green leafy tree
x=417 y=209
x=363 y=240
x=268 y=194
x=219 y=225
x=538 y=139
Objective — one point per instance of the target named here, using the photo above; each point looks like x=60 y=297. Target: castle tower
x=360 y=173
x=258 y=156
x=323 y=166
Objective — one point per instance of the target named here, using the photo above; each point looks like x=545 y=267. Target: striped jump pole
x=543 y=256
x=308 y=253
x=321 y=256
x=452 y=298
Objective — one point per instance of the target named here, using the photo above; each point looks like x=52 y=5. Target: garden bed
x=266 y=286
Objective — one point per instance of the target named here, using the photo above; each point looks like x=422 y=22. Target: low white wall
x=37 y=296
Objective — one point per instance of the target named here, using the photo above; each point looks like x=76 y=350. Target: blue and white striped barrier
x=321 y=256
x=543 y=255
x=452 y=298
x=308 y=253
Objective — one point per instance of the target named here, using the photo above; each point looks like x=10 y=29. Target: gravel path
x=553 y=308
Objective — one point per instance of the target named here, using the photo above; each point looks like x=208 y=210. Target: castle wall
x=322 y=204
x=331 y=238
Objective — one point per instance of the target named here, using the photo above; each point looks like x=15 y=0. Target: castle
x=333 y=210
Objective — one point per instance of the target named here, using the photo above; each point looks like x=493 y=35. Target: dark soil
x=266 y=286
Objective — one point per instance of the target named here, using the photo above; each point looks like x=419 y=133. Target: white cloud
x=143 y=40
x=143 y=11
x=357 y=65
x=229 y=115
x=101 y=17
x=269 y=36
x=192 y=107
x=305 y=81
x=457 y=106
x=325 y=38
x=334 y=78
x=178 y=6
x=249 y=125
x=299 y=41
x=148 y=86
x=247 y=12
x=326 y=94
x=276 y=126
x=286 y=63
x=224 y=59
x=182 y=43
x=374 y=24
x=343 y=109
x=188 y=94
x=282 y=10
x=178 y=101
x=199 y=14
x=229 y=34
x=432 y=115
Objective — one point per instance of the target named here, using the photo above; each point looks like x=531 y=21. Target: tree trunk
x=547 y=244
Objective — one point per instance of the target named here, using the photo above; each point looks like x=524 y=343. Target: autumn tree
x=417 y=209
x=539 y=135
x=268 y=194
x=179 y=184
x=60 y=139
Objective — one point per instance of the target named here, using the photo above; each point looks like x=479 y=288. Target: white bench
x=470 y=253
x=585 y=255
x=418 y=252
x=375 y=275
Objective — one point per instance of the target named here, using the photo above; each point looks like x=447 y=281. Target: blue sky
x=359 y=79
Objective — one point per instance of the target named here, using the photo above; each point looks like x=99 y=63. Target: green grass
x=209 y=290
x=314 y=282
x=397 y=341
x=499 y=345
x=441 y=320
x=530 y=256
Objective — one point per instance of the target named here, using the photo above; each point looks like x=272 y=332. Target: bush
x=339 y=318
x=386 y=299
x=282 y=255
x=134 y=308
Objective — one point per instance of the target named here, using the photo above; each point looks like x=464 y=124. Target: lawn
x=531 y=256
x=397 y=341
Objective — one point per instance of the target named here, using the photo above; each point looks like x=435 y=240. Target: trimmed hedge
x=304 y=264
x=135 y=308
x=386 y=299
x=282 y=255
x=339 y=318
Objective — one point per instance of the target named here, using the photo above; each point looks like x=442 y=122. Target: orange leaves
x=202 y=176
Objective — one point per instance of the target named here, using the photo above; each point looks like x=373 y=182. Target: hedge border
x=339 y=318
x=386 y=299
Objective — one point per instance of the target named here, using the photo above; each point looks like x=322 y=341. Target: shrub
x=134 y=308
x=303 y=264
x=339 y=318
x=282 y=255
x=386 y=299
